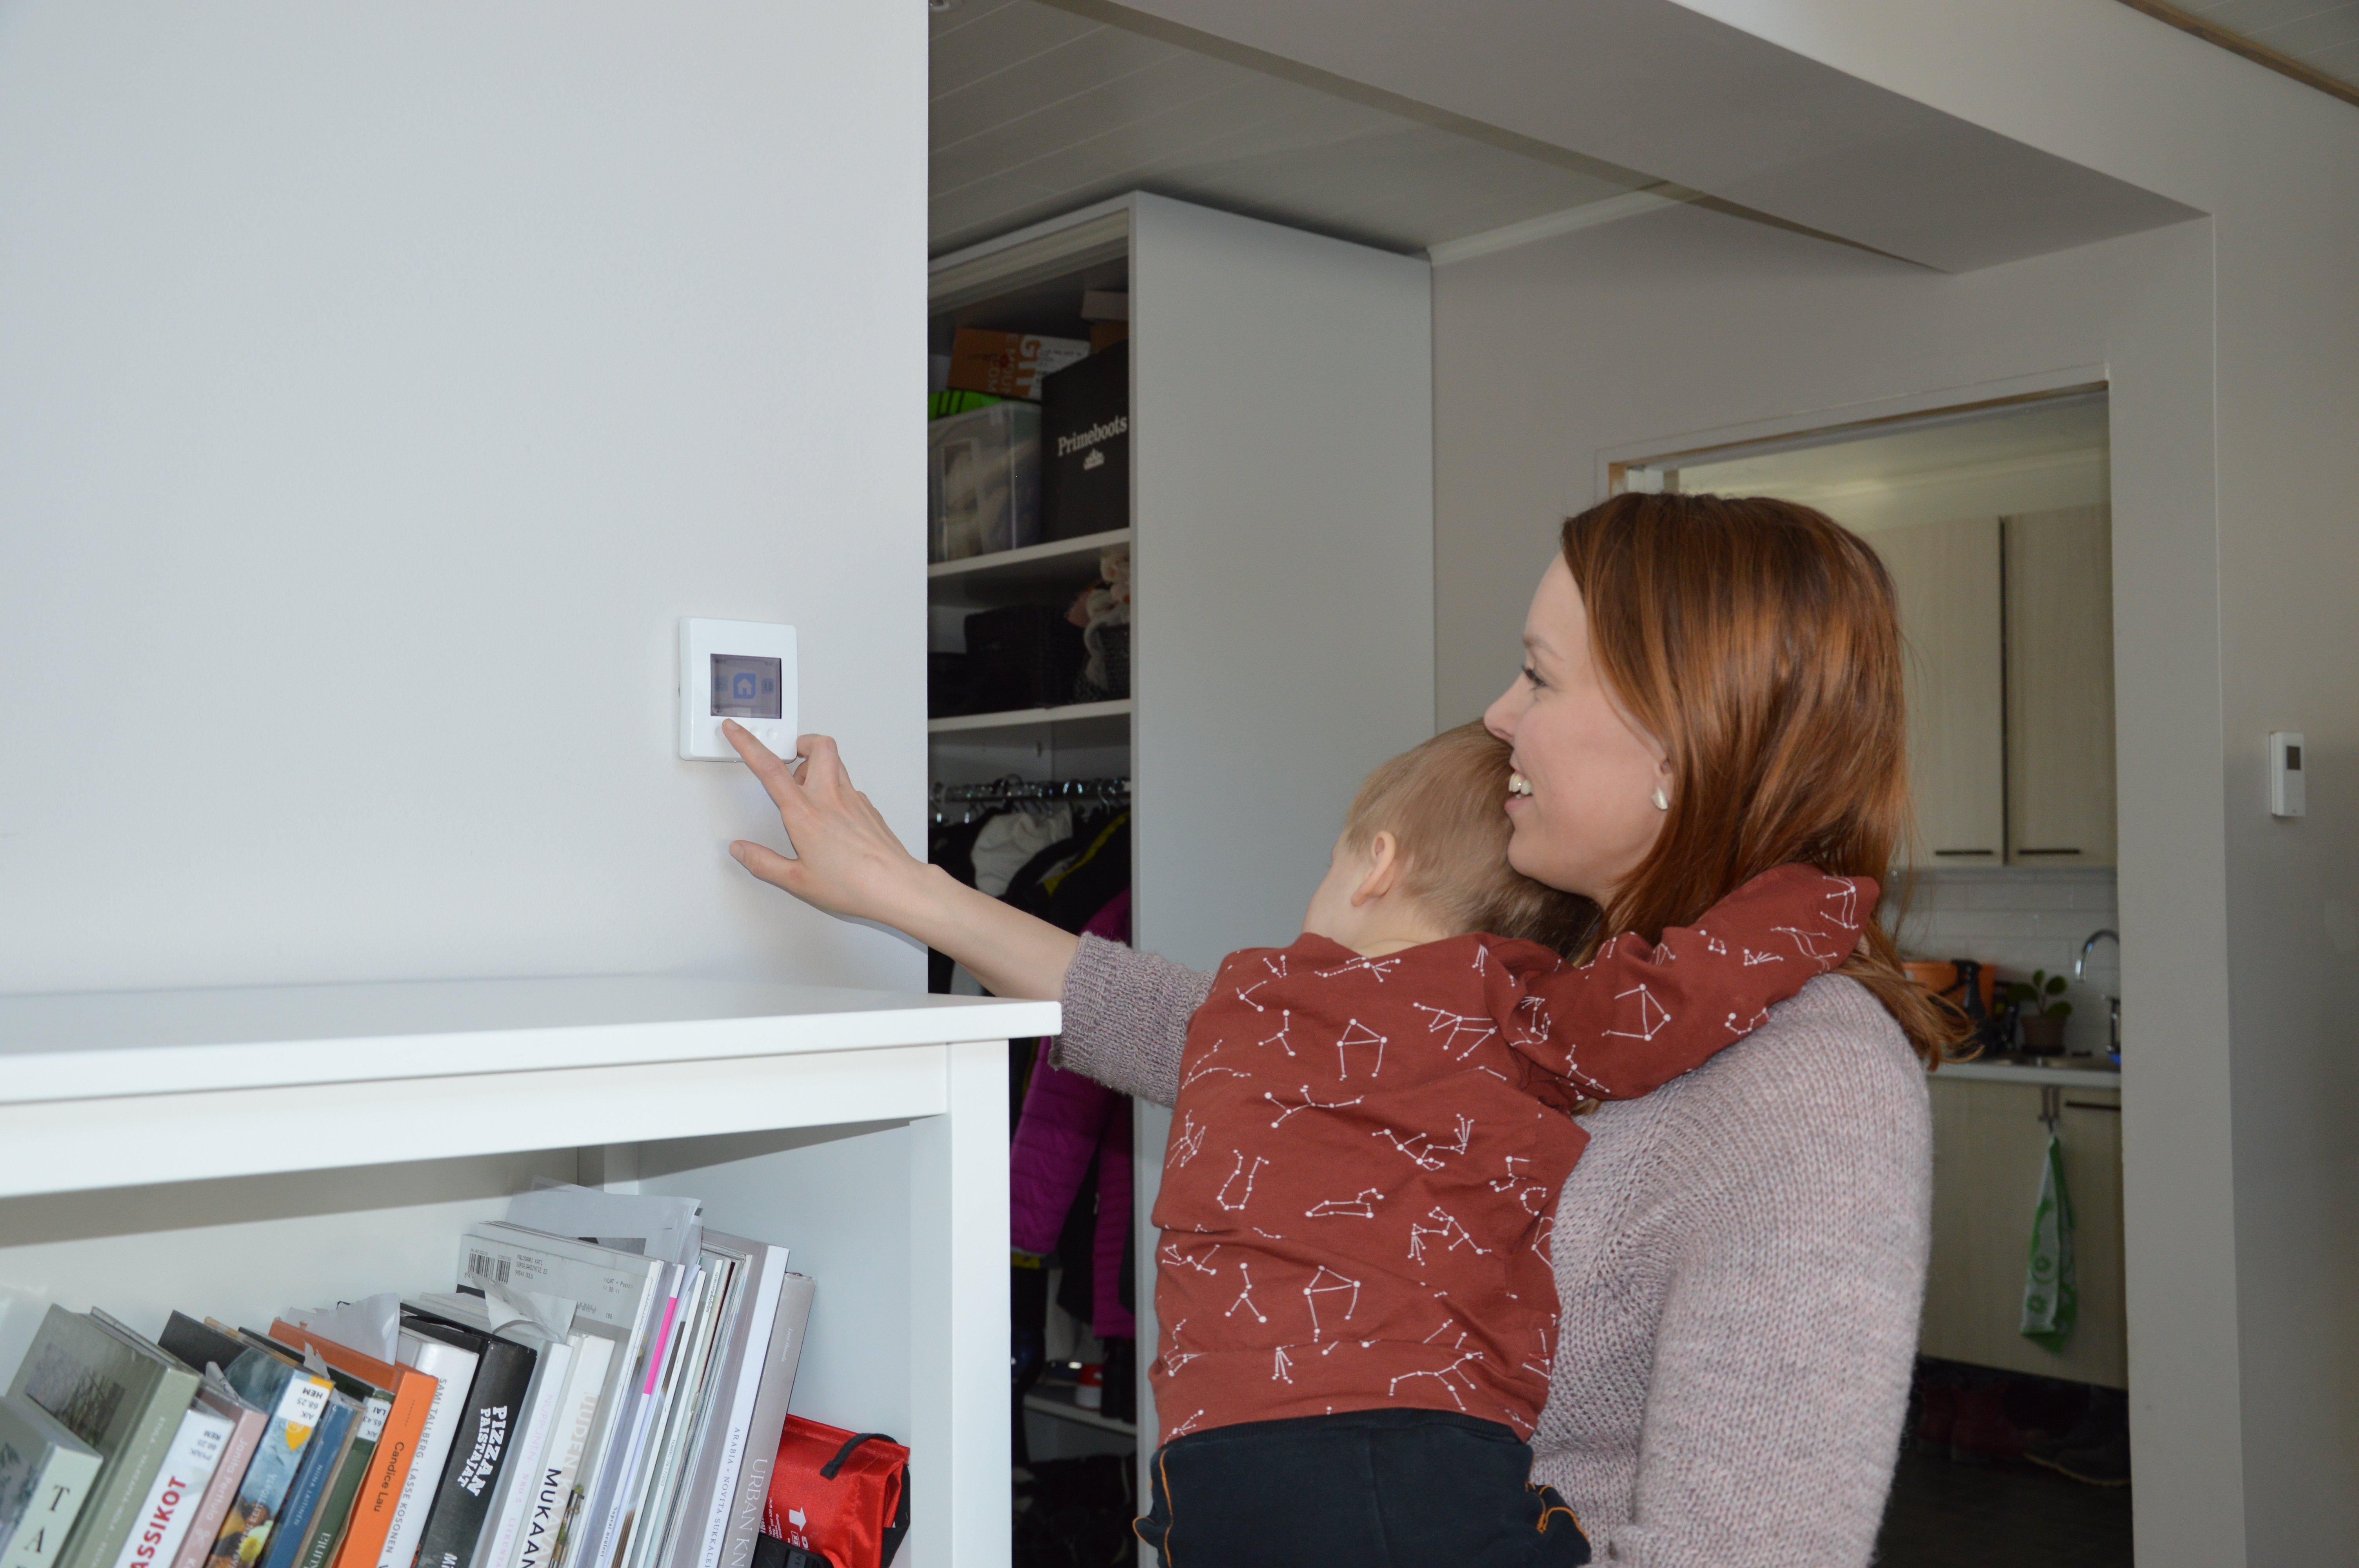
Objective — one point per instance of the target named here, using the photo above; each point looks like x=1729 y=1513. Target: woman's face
x=1584 y=815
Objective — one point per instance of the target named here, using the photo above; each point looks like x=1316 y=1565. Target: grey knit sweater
x=1740 y=1258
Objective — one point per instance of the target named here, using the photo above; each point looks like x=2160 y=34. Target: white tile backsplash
x=2020 y=919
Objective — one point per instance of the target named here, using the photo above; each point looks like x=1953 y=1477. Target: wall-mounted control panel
x=736 y=670
x=2286 y=796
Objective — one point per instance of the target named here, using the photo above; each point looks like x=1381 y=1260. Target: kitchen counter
x=2098 y=1075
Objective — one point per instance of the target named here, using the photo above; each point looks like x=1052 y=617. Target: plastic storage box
x=983 y=482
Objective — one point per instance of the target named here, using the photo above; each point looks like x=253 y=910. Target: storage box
x=1026 y=655
x=1009 y=364
x=983 y=482
x=1085 y=445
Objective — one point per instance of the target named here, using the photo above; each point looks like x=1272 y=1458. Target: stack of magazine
x=604 y=1388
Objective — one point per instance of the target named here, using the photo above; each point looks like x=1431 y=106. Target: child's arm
x=1636 y=1017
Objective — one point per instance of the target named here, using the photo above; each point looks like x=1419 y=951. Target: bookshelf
x=235 y=1152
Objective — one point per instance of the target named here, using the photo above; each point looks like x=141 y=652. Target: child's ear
x=1384 y=869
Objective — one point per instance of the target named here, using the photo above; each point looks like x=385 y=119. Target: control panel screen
x=745 y=687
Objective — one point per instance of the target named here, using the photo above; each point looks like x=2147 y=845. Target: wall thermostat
x=2286 y=792
x=736 y=670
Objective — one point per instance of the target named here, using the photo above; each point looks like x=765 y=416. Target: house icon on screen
x=741 y=688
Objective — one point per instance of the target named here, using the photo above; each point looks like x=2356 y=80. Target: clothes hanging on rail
x=1011 y=840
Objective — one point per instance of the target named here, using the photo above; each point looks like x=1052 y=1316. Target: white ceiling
x=1038 y=109
x=2321 y=34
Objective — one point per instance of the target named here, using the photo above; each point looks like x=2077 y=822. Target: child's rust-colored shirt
x=1365 y=1152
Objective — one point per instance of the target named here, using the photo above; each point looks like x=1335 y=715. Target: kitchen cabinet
x=1988 y=1147
x=1948 y=579
x=2060 y=688
x=2007 y=628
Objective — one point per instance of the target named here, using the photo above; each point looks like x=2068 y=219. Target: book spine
x=177 y=1490
x=560 y=1478
x=113 y=1508
x=57 y=1500
x=717 y=1469
x=455 y=1525
x=770 y=1420
x=454 y=1369
x=511 y=1499
x=335 y=1517
x=629 y=1437
x=321 y=1456
x=213 y=1508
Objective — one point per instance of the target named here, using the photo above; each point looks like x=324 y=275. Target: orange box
x=1009 y=365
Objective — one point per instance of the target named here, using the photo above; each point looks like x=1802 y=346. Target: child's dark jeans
x=1398 y=1489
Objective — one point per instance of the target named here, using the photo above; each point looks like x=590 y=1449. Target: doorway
x=1995 y=522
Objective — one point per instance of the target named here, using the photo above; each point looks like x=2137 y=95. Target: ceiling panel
x=1037 y=110
x=2322 y=34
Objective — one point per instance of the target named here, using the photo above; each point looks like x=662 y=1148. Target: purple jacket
x=1067 y=1120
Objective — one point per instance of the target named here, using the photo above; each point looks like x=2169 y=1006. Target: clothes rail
x=1023 y=794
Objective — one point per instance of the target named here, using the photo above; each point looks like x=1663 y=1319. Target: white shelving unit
x=238 y=1151
x=1281 y=534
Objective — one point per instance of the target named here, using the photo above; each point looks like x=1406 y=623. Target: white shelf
x=1030 y=717
x=1085 y=547
x=1065 y=1410
x=117 y=1088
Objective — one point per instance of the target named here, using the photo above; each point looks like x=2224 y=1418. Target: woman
x=1711 y=688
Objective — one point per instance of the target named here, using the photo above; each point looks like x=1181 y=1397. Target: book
x=621 y=1291
x=478 y=1449
x=453 y=1367
x=672 y=1496
x=124 y=1398
x=613 y=1513
x=598 y=1345
x=213 y=1506
x=292 y=1400
x=179 y=1485
x=410 y=1394
x=721 y=1451
x=45 y=1476
x=308 y=1542
x=535 y=1420
x=768 y=1422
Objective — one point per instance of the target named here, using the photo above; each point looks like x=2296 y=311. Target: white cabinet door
x=1946 y=576
x=2060 y=688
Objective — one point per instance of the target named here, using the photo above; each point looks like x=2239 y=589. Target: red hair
x=1759 y=643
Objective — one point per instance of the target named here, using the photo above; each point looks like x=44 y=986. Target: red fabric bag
x=836 y=1496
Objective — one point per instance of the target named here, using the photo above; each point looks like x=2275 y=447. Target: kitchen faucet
x=2112 y=1003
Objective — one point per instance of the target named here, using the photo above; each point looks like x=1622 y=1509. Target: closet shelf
x=1030 y=718
x=1055 y=570
x=1066 y=1410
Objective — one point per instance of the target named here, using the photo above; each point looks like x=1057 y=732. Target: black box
x=1085 y=445
x=1023 y=656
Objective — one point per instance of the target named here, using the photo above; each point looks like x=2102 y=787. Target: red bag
x=836 y=1497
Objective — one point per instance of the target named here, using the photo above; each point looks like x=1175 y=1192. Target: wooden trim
x=2259 y=54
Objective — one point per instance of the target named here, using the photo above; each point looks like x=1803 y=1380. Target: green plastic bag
x=2052 y=1286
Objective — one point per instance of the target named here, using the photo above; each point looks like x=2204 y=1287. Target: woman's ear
x=1384 y=869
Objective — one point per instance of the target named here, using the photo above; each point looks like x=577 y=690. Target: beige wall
x=1687 y=327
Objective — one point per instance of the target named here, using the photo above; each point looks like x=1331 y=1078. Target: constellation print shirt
x=1366 y=1152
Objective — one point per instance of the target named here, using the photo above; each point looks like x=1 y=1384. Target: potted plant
x=2040 y=1006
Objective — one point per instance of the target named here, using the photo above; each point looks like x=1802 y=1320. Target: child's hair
x=1445 y=803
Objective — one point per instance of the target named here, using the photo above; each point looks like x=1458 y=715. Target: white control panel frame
x=2289 y=795
x=725 y=665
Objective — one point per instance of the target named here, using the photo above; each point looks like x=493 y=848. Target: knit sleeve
x=1126 y=1017
x=1790 y=1316
x=1639 y=1014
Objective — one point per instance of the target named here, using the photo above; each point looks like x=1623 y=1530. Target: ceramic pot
x=2042 y=1035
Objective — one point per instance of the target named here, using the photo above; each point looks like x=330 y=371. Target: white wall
x=378 y=385
x=1688 y=328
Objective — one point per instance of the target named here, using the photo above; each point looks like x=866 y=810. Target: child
x=1357 y=1300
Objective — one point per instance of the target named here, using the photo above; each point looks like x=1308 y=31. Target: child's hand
x=846 y=861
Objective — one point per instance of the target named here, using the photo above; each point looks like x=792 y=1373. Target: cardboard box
x=1010 y=365
x=1085 y=447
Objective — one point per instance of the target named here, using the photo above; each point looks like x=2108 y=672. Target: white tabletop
x=2082 y=1077
x=107 y=1043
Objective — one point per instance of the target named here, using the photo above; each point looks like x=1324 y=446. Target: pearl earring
x=1662 y=801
